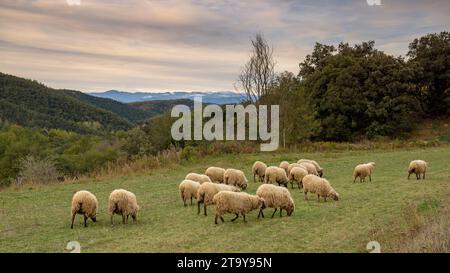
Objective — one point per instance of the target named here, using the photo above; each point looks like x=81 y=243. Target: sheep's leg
x=215 y=220
x=260 y=213
x=254 y=178
x=318 y=198
x=423 y=175
x=191 y=200
x=123 y=219
x=198 y=206
x=354 y=180
x=417 y=176
x=325 y=198
x=134 y=218
x=221 y=219
x=370 y=178
x=184 y=202
x=281 y=211
x=111 y=217
x=292 y=184
x=306 y=198
x=243 y=215
x=73 y=219
x=234 y=219
x=274 y=212
x=126 y=220
x=85 y=220
x=204 y=209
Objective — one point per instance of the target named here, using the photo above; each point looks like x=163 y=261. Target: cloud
x=190 y=44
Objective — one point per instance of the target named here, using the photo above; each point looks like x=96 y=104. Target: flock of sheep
x=224 y=189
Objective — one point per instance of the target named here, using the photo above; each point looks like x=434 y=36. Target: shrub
x=41 y=171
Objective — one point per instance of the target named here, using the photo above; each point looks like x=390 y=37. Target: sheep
x=284 y=165
x=188 y=189
x=200 y=178
x=275 y=175
x=259 y=169
x=237 y=203
x=235 y=178
x=319 y=186
x=296 y=175
x=85 y=203
x=124 y=203
x=318 y=168
x=215 y=174
x=310 y=168
x=275 y=197
x=418 y=167
x=206 y=192
x=294 y=165
x=363 y=170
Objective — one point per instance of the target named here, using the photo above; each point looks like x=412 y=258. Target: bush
x=40 y=171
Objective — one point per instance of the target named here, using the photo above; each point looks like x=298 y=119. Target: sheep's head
x=333 y=194
x=261 y=203
x=290 y=209
x=94 y=218
x=320 y=172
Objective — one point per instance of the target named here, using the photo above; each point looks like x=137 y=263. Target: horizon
x=191 y=46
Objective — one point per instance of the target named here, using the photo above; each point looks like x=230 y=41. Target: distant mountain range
x=223 y=97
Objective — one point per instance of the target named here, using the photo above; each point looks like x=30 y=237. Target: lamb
x=215 y=174
x=188 y=189
x=259 y=169
x=310 y=168
x=417 y=167
x=318 y=168
x=124 y=203
x=85 y=203
x=284 y=165
x=275 y=197
x=363 y=170
x=200 y=178
x=206 y=192
x=319 y=186
x=296 y=175
x=237 y=203
x=235 y=178
x=276 y=175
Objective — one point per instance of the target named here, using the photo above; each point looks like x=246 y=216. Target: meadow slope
x=37 y=219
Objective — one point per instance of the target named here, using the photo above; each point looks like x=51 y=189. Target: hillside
x=391 y=210
x=32 y=104
x=157 y=107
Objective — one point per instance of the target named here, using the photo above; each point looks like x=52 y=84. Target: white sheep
x=318 y=168
x=235 y=178
x=259 y=169
x=319 y=186
x=85 y=203
x=294 y=165
x=275 y=175
x=237 y=203
x=275 y=197
x=215 y=174
x=124 y=203
x=417 y=167
x=284 y=165
x=310 y=168
x=363 y=170
x=200 y=178
x=296 y=175
x=188 y=189
x=206 y=192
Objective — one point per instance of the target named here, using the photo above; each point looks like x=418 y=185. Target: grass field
x=37 y=219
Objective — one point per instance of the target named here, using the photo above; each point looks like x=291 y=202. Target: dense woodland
x=340 y=93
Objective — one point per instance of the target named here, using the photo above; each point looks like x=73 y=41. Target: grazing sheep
x=259 y=169
x=418 y=167
x=237 y=203
x=124 y=203
x=294 y=165
x=318 y=168
x=319 y=186
x=200 y=178
x=284 y=165
x=296 y=175
x=84 y=202
x=235 y=178
x=275 y=197
x=188 y=189
x=275 y=175
x=215 y=174
x=206 y=192
x=363 y=170
x=310 y=168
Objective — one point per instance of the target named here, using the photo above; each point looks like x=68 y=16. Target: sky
x=191 y=45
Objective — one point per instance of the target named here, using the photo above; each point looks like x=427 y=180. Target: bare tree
x=258 y=74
